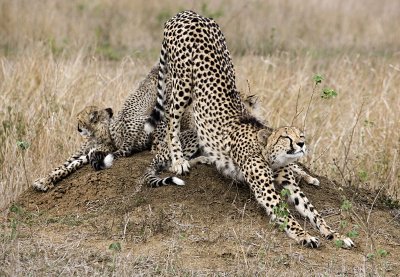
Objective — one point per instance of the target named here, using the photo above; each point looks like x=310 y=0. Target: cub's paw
x=43 y=184
x=101 y=160
x=180 y=166
x=309 y=241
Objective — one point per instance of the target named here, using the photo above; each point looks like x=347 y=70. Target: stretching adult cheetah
x=198 y=61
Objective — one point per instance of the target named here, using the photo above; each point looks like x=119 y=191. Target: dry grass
x=58 y=56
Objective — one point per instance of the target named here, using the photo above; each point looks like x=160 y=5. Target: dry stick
x=296 y=114
x=240 y=244
x=347 y=149
x=308 y=107
x=25 y=172
x=346 y=156
x=379 y=191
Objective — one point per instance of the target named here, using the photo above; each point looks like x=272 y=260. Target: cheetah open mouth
x=294 y=152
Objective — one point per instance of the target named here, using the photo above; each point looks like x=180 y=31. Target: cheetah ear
x=251 y=100
x=110 y=112
x=263 y=135
x=93 y=117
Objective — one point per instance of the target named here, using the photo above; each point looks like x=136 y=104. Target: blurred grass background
x=58 y=56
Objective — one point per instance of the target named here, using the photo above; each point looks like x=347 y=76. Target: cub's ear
x=110 y=112
x=94 y=116
x=251 y=100
x=263 y=135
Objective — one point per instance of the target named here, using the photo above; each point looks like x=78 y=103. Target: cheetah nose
x=301 y=144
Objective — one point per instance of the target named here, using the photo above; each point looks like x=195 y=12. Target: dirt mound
x=209 y=225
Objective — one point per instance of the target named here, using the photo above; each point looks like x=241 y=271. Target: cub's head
x=283 y=146
x=94 y=122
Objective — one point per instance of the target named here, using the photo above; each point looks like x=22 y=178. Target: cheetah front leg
x=302 y=174
x=260 y=178
x=59 y=173
x=75 y=161
x=286 y=177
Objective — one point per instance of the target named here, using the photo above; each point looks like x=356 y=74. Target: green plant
x=390 y=202
x=285 y=192
x=281 y=211
x=343 y=224
x=318 y=79
x=16 y=211
x=353 y=234
x=346 y=205
x=382 y=253
x=339 y=243
x=328 y=93
x=115 y=246
x=363 y=175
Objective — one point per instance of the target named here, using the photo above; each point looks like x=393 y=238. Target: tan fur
x=195 y=54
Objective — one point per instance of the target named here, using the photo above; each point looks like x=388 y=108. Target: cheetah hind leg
x=162 y=160
x=306 y=209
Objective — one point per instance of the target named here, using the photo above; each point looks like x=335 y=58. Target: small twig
x=248 y=86
x=297 y=113
x=340 y=171
x=308 y=107
x=241 y=248
x=347 y=149
x=126 y=219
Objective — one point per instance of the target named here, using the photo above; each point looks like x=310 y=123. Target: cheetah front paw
x=180 y=166
x=346 y=242
x=312 y=181
x=43 y=184
x=310 y=241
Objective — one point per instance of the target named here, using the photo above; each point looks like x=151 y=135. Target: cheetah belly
x=222 y=161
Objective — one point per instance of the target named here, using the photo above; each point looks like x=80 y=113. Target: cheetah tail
x=153 y=181
x=158 y=111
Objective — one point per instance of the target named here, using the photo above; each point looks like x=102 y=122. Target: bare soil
x=209 y=226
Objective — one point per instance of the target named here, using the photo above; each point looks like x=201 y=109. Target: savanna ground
x=58 y=56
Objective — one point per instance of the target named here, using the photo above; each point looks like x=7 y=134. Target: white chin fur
x=178 y=181
x=108 y=161
x=148 y=128
x=283 y=160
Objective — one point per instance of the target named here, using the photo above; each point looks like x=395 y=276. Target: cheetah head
x=93 y=121
x=283 y=146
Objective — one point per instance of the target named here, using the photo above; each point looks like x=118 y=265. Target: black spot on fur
x=251 y=120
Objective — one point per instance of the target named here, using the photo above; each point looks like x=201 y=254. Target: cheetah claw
x=347 y=242
x=180 y=166
x=311 y=242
